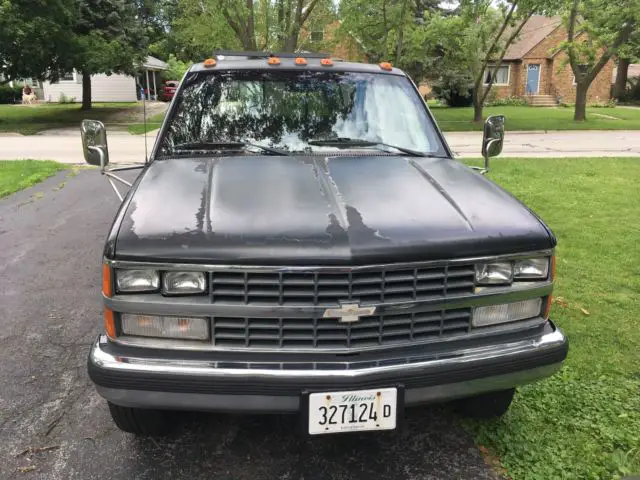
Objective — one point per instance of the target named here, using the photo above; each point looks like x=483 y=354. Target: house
x=107 y=88
x=534 y=68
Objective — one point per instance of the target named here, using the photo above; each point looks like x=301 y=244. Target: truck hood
x=306 y=210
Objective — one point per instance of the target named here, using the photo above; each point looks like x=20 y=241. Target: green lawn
x=18 y=174
x=536 y=118
x=584 y=422
x=30 y=119
x=153 y=122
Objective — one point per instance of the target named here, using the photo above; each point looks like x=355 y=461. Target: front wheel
x=141 y=421
x=486 y=405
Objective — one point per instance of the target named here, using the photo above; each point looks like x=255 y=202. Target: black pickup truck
x=301 y=239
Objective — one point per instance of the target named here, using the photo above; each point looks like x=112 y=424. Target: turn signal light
x=547 y=307
x=273 y=61
x=386 y=66
x=326 y=62
x=209 y=62
x=107 y=285
x=109 y=323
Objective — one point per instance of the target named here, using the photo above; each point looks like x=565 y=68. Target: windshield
x=299 y=112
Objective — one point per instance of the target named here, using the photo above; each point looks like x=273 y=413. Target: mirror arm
x=100 y=153
x=111 y=175
x=115 y=189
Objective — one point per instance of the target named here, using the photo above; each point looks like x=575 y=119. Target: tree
x=233 y=24
x=495 y=38
x=627 y=54
x=385 y=29
x=105 y=38
x=33 y=35
x=596 y=30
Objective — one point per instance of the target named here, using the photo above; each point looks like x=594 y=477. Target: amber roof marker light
x=209 y=63
x=326 y=62
x=273 y=61
x=386 y=66
x=300 y=61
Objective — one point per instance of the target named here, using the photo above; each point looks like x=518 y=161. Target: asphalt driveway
x=54 y=426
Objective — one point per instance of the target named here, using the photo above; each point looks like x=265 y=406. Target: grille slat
x=388 y=284
x=370 y=331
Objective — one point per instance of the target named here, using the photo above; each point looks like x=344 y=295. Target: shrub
x=452 y=95
x=507 y=102
x=632 y=93
x=10 y=94
x=64 y=99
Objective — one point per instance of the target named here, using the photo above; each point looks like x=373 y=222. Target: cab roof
x=258 y=61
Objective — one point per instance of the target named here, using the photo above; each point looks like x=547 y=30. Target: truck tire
x=142 y=422
x=486 y=405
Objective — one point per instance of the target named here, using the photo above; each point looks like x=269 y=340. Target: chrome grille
x=332 y=287
x=323 y=333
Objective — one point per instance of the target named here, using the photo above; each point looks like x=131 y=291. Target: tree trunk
x=580 y=113
x=290 y=43
x=620 y=86
x=477 y=106
x=86 y=91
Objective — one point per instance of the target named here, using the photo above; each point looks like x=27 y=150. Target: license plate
x=361 y=410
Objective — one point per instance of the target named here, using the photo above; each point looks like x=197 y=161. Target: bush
x=632 y=93
x=507 y=102
x=64 y=99
x=10 y=94
x=452 y=95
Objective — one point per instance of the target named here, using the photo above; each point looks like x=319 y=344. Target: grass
x=18 y=174
x=584 y=422
x=536 y=118
x=153 y=122
x=33 y=119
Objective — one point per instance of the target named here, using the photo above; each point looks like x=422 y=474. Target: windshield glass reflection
x=287 y=110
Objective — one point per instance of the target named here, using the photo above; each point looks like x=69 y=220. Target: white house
x=106 y=88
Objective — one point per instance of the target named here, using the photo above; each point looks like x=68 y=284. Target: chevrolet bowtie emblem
x=349 y=312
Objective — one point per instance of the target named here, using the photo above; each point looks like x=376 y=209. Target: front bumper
x=170 y=382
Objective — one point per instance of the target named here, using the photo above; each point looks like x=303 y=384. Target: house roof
x=153 y=63
x=634 y=71
x=534 y=31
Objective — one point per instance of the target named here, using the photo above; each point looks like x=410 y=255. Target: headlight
x=185 y=328
x=504 y=273
x=176 y=283
x=494 y=273
x=506 y=312
x=130 y=281
x=534 y=268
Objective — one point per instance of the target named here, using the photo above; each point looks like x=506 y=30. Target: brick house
x=533 y=67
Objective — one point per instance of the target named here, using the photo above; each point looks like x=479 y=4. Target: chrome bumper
x=175 y=383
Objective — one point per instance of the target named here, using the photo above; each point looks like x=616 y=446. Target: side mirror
x=493 y=138
x=94 y=143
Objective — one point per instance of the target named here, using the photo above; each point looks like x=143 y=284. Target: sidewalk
x=64 y=145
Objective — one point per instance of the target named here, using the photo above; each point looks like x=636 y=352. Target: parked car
x=168 y=90
x=302 y=240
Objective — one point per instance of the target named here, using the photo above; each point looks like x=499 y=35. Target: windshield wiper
x=193 y=147
x=357 y=142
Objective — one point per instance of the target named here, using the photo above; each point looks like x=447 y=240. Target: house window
x=317 y=36
x=500 y=75
x=68 y=77
x=583 y=68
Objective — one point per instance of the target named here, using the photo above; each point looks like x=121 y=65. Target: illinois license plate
x=361 y=410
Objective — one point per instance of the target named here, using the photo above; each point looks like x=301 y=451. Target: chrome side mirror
x=94 y=143
x=493 y=138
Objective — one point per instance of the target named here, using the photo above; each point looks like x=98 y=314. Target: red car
x=168 y=90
